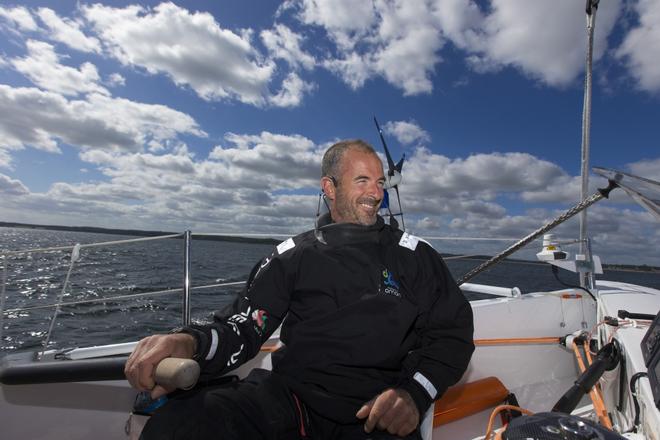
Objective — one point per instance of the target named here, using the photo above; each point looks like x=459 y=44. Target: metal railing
x=75 y=250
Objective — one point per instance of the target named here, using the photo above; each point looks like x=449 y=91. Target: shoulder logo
x=285 y=246
x=409 y=241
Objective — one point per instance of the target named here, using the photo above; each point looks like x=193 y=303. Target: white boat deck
x=616 y=296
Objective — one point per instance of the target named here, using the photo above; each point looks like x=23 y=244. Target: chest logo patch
x=391 y=287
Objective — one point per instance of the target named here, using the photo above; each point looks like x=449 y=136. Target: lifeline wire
x=75 y=253
x=83 y=246
x=2 y=297
x=120 y=297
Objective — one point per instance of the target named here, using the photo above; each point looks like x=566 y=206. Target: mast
x=586 y=279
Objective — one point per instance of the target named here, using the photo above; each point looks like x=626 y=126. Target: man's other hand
x=141 y=365
x=393 y=411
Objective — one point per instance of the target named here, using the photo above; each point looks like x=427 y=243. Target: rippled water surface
x=127 y=270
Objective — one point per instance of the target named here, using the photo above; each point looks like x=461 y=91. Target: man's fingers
x=141 y=364
x=139 y=369
x=387 y=420
x=364 y=411
x=382 y=404
x=145 y=376
x=393 y=411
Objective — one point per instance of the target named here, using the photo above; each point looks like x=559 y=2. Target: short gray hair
x=330 y=166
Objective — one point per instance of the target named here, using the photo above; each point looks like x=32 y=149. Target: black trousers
x=259 y=407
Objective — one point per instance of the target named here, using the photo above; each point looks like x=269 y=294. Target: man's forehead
x=355 y=160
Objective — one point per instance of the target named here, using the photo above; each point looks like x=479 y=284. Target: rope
x=89 y=245
x=529 y=238
x=496 y=411
x=120 y=297
x=595 y=392
x=458 y=257
x=75 y=254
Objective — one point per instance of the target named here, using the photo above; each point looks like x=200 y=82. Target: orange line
x=509 y=341
x=269 y=348
x=594 y=393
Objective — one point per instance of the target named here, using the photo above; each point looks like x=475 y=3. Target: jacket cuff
x=203 y=338
x=419 y=393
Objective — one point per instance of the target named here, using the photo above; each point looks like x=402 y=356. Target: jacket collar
x=349 y=233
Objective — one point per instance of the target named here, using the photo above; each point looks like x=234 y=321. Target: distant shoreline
x=238 y=239
x=136 y=232
x=618 y=267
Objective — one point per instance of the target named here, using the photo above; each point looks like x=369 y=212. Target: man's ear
x=328 y=187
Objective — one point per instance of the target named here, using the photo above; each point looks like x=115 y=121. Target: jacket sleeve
x=237 y=332
x=445 y=330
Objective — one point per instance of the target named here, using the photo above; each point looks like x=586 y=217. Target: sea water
x=117 y=275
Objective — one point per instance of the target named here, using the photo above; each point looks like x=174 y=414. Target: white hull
x=538 y=374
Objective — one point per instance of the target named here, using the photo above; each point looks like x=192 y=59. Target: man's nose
x=375 y=190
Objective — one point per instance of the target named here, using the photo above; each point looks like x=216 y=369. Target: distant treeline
x=137 y=232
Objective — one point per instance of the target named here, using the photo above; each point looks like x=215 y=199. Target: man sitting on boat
x=376 y=329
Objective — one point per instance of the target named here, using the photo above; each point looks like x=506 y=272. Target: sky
x=213 y=115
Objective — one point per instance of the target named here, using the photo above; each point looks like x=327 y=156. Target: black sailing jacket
x=370 y=309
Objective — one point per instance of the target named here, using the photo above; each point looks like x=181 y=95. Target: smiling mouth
x=370 y=205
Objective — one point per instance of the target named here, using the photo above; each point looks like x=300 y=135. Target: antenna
x=393 y=177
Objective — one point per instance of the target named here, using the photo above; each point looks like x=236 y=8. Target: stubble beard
x=353 y=213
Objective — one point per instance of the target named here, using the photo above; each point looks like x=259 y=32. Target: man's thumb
x=158 y=391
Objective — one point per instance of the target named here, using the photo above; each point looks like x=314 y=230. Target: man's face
x=359 y=192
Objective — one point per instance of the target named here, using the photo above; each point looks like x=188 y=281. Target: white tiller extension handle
x=177 y=373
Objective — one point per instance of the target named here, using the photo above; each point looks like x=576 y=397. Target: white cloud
x=41 y=119
x=42 y=66
x=246 y=187
x=180 y=164
x=234 y=185
x=116 y=79
x=19 y=16
x=641 y=47
x=352 y=68
x=11 y=186
x=292 y=92
x=397 y=40
x=346 y=21
x=68 y=31
x=408 y=44
x=235 y=189
x=649 y=169
x=285 y=44
x=428 y=224
x=401 y=41
x=459 y=20
x=407 y=132
x=5 y=157
x=267 y=160
x=191 y=48
x=563 y=188
x=461 y=197
x=482 y=174
x=546 y=42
